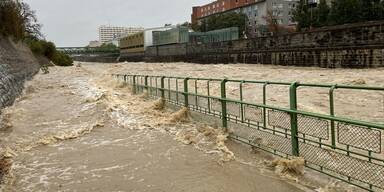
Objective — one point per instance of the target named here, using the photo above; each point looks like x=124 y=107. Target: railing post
x=146 y=83
x=162 y=88
x=332 y=113
x=293 y=106
x=186 y=104
x=134 y=84
x=224 y=104
x=125 y=78
x=241 y=105
x=265 y=103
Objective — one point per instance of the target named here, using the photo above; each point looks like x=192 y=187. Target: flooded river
x=76 y=130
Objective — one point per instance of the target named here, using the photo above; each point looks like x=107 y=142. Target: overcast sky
x=75 y=22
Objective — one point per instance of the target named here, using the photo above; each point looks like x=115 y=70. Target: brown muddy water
x=75 y=129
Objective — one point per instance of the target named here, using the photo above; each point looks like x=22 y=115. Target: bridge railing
x=344 y=148
x=88 y=50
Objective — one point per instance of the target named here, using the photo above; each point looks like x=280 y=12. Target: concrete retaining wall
x=352 y=46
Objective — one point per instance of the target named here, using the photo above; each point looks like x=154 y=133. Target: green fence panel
x=347 y=149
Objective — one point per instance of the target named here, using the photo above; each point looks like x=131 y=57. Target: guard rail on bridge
x=87 y=50
x=346 y=149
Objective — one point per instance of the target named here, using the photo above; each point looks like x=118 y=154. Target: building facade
x=256 y=11
x=109 y=33
x=94 y=44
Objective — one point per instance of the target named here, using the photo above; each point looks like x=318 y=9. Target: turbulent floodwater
x=77 y=130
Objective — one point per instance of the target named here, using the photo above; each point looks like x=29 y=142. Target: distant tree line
x=19 y=21
x=339 y=12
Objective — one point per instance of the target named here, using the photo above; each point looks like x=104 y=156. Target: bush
x=48 y=50
x=62 y=59
x=36 y=47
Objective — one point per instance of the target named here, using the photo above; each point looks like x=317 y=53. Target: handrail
x=350 y=139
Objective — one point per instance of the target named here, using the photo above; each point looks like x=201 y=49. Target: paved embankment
x=17 y=64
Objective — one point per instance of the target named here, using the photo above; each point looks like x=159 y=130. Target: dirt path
x=69 y=133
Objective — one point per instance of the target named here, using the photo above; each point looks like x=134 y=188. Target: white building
x=109 y=33
x=94 y=44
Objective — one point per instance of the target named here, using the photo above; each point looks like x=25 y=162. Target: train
x=136 y=46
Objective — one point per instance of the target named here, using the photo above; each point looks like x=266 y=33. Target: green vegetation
x=11 y=19
x=340 y=12
x=109 y=46
x=48 y=50
x=18 y=21
x=221 y=21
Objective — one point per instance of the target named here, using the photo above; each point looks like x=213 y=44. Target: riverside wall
x=17 y=64
x=346 y=46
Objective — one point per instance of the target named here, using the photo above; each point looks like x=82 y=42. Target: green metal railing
x=88 y=50
x=343 y=148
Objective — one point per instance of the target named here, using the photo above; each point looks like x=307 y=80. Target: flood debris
x=95 y=98
x=180 y=116
x=30 y=89
x=289 y=168
x=5 y=121
x=206 y=130
x=8 y=153
x=159 y=104
x=226 y=155
x=186 y=138
x=144 y=95
x=6 y=162
x=67 y=135
x=359 y=81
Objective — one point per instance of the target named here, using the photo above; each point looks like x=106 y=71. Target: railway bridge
x=92 y=54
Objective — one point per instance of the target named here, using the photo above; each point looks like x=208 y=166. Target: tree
x=346 y=11
x=372 y=10
x=221 y=21
x=302 y=15
x=108 y=46
x=341 y=12
x=31 y=26
x=11 y=22
x=186 y=24
x=322 y=13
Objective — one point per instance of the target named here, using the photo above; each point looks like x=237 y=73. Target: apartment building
x=256 y=11
x=109 y=33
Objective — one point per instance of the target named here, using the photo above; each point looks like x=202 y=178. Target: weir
x=348 y=149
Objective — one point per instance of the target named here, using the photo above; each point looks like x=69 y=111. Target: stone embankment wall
x=353 y=46
x=17 y=64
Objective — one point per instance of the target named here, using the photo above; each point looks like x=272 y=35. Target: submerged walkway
x=64 y=139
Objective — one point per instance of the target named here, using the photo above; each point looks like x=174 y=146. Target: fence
x=346 y=149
